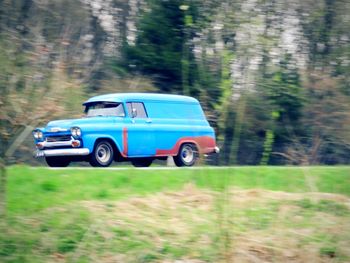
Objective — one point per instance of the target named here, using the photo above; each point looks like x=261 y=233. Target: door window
x=136 y=110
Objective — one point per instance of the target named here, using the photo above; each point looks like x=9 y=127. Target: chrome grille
x=62 y=138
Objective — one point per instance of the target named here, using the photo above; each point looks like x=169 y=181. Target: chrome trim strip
x=57 y=129
x=46 y=144
x=62 y=152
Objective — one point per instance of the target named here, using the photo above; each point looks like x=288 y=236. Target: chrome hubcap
x=187 y=154
x=103 y=153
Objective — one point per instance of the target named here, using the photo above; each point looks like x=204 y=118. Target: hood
x=67 y=124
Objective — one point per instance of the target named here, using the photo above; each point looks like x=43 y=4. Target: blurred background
x=272 y=76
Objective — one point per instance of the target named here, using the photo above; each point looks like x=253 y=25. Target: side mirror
x=133 y=113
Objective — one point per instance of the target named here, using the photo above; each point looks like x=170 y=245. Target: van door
x=141 y=138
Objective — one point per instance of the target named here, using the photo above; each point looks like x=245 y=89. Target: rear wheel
x=57 y=161
x=102 y=155
x=187 y=156
x=142 y=162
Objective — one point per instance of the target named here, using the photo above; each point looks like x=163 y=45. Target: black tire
x=187 y=156
x=142 y=162
x=57 y=161
x=102 y=155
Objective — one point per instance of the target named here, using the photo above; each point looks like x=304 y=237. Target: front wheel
x=57 y=161
x=102 y=155
x=187 y=156
x=142 y=162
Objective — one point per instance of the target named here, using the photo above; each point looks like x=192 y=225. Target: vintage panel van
x=136 y=127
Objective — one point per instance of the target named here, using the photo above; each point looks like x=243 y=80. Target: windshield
x=104 y=109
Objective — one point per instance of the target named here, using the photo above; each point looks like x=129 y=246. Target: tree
x=282 y=90
x=327 y=116
x=158 y=50
x=163 y=48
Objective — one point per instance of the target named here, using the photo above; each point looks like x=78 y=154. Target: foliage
x=257 y=68
x=283 y=93
x=159 y=48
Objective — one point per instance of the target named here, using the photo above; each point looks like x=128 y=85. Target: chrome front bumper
x=62 y=152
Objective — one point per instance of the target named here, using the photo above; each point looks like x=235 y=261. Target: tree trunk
x=3 y=182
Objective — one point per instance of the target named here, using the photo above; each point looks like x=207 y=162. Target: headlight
x=76 y=132
x=38 y=135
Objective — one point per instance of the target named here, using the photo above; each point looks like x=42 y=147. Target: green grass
x=140 y=215
x=31 y=190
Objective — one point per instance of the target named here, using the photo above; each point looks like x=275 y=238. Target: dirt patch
x=195 y=225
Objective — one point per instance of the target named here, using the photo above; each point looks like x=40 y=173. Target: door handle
x=148 y=121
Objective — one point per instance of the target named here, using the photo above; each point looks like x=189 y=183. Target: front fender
x=90 y=139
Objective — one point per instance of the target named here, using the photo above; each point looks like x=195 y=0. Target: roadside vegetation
x=195 y=215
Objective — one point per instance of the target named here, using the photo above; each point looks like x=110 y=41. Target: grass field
x=243 y=214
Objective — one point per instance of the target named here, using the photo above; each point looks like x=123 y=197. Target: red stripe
x=205 y=144
x=125 y=142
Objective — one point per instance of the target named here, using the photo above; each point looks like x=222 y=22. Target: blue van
x=136 y=127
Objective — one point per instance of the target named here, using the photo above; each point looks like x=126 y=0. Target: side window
x=138 y=108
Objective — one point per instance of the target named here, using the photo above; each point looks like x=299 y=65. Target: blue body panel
x=171 y=118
